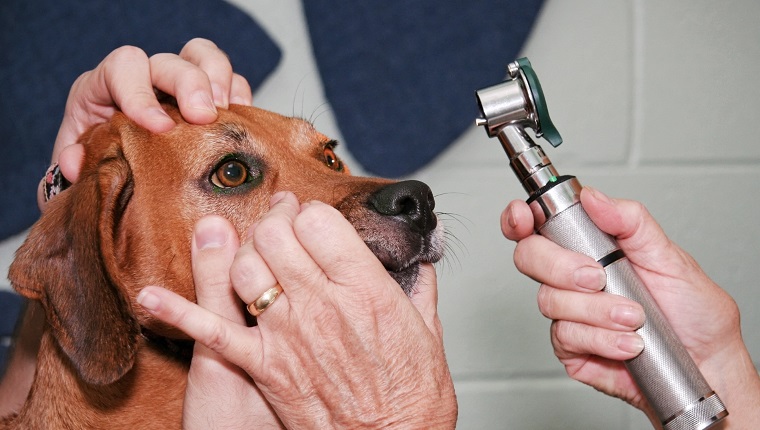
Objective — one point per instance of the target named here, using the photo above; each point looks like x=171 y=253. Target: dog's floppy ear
x=67 y=262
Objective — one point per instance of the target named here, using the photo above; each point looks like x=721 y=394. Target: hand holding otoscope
x=664 y=371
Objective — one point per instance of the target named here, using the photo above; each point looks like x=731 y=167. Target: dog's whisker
x=444 y=216
x=319 y=111
x=450 y=193
x=295 y=96
x=451 y=258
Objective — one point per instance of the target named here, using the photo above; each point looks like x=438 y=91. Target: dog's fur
x=127 y=223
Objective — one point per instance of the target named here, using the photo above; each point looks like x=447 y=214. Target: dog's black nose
x=410 y=201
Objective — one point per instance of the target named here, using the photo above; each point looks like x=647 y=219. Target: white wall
x=657 y=101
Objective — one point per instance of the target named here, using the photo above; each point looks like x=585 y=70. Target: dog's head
x=128 y=221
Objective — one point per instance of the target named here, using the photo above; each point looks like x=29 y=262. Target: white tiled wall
x=657 y=101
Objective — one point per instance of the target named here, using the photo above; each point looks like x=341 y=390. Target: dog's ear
x=67 y=262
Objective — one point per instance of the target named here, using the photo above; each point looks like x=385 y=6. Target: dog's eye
x=331 y=160
x=230 y=174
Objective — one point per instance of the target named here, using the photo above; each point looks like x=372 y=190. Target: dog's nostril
x=411 y=201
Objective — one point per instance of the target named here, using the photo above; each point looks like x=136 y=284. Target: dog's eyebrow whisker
x=319 y=111
x=295 y=97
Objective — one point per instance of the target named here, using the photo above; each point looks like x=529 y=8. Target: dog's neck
x=148 y=396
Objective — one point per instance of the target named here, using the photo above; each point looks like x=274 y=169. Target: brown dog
x=127 y=223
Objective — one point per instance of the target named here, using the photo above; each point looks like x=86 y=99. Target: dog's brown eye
x=229 y=174
x=331 y=160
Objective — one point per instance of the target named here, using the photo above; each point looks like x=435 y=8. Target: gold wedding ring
x=258 y=306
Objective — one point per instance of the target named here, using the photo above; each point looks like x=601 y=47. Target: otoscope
x=664 y=371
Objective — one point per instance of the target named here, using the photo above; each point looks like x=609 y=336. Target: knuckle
x=218 y=338
x=199 y=42
x=127 y=53
x=242 y=271
x=545 y=299
x=568 y=337
x=317 y=216
x=269 y=232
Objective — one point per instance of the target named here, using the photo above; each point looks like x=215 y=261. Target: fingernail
x=600 y=196
x=627 y=315
x=210 y=234
x=630 y=342
x=159 y=113
x=201 y=100
x=160 y=121
x=511 y=217
x=237 y=100
x=149 y=301
x=277 y=198
x=590 y=278
x=219 y=98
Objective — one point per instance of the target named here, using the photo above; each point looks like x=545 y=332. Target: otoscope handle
x=664 y=371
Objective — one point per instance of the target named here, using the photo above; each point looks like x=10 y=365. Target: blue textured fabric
x=401 y=76
x=46 y=44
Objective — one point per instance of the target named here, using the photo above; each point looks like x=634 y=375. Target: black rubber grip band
x=612 y=257
x=538 y=193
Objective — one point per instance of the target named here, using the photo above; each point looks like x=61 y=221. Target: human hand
x=342 y=346
x=220 y=394
x=200 y=78
x=593 y=331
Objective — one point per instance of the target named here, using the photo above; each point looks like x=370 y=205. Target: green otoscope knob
x=545 y=126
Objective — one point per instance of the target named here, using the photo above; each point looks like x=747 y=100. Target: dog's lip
x=429 y=254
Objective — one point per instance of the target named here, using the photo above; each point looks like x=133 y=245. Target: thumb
x=637 y=232
x=214 y=245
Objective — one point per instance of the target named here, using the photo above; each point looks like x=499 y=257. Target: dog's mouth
x=402 y=256
x=398 y=224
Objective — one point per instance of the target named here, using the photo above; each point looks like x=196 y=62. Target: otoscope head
x=507 y=110
x=519 y=100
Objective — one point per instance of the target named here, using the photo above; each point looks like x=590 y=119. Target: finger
x=336 y=247
x=215 y=63
x=598 y=310
x=122 y=79
x=425 y=299
x=187 y=83
x=629 y=221
x=127 y=77
x=252 y=278
x=241 y=93
x=70 y=161
x=572 y=339
x=517 y=221
x=275 y=240
x=214 y=245
x=236 y=343
x=549 y=263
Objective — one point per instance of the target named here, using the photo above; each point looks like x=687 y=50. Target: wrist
x=733 y=376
